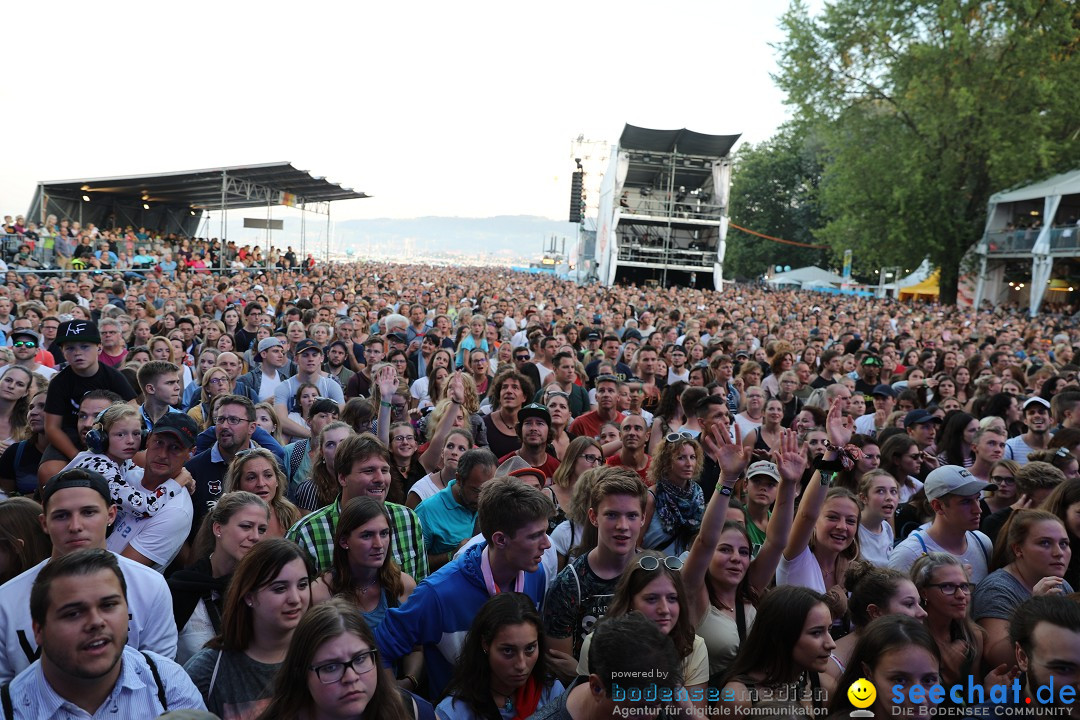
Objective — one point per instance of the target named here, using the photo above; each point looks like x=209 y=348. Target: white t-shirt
x=876 y=547
x=425 y=487
x=419 y=391
x=268 y=386
x=150 y=626
x=561 y=538
x=802 y=570
x=977 y=555
x=328 y=388
x=159 y=537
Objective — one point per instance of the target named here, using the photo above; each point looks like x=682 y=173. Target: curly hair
x=662 y=462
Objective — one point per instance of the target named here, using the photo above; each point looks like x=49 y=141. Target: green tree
x=774 y=189
x=925 y=108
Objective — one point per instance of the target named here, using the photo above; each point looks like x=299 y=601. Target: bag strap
x=19 y=450
x=740 y=620
x=213 y=676
x=986 y=553
x=5 y=701
x=157 y=679
x=917 y=536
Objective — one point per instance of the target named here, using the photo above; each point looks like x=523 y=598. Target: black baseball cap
x=535 y=410
x=78 y=478
x=306 y=344
x=182 y=425
x=78 y=331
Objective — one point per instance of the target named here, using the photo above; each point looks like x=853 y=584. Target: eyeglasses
x=403 y=438
x=230 y=420
x=1002 y=480
x=521 y=358
x=651 y=562
x=678 y=436
x=25 y=343
x=218 y=381
x=558 y=393
x=332 y=672
x=592 y=459
x=1062 y=452
x=949 y=588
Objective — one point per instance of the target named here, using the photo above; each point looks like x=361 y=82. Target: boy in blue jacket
x=513 y=519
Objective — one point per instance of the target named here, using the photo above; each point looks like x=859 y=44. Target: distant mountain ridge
x=506 y=236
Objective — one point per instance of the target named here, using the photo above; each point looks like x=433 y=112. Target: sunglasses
x=25 y=343
x=678 y=437
x=651 y=562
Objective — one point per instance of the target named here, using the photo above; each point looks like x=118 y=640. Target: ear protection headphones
x=97 y=440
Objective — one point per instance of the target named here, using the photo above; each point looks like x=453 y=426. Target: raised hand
x=790 y=457
x=839 y=432
x=456 y=389
x=387 y=382
x=730 y=455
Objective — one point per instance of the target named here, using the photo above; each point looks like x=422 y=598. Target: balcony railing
x=1062 y=240
x=669 y=256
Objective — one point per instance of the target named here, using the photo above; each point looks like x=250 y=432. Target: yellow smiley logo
x=862 y=693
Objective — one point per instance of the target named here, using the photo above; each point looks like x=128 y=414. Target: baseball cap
x=631 y=334
x=535 y=410
x=1031 y=401
x=306 y=344
x=919 y=417
x=873 y=361
x=77 y=478
x=953 y=480
x=883 y=389
x=182 y=425
x=763 y=467
x=592 y=335
x=78 y=331
x=265 y=344
x=26 y=333
x=398 y=336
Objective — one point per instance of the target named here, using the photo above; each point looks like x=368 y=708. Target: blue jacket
x=440 y=611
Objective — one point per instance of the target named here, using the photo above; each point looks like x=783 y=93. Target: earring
x=345 y=547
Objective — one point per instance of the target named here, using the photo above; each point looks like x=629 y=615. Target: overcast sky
x=464 y=109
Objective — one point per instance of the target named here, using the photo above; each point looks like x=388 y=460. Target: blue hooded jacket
x=440 y=611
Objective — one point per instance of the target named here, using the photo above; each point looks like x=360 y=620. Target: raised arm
x=790 y=459
x=814 y=497
x=732 y=457
x=387 y=382
x=455 y=390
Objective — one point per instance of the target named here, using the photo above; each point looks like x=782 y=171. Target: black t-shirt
x=24 y=473
x=66 y=391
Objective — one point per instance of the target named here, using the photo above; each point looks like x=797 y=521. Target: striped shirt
x=315 y=533
x=135 y=694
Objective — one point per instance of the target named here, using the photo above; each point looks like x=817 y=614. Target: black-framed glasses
x=678 y=436
x=948 y=588
x=332 y=672
x=651 y=562
x=230 y=420
x=592 y=459
x=521 y=358
x=1002 y=479
x=403 y=438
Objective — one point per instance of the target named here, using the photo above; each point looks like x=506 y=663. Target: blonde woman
x=266 y=417
x=258 y=472
x=215 y=383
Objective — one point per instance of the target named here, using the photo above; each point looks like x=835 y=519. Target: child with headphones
x=112 y=441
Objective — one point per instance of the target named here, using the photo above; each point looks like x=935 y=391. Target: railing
x=658 y=255
x=1063 y=240
x=658 y=205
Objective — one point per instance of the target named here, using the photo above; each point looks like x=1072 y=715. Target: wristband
x=835 y=465
x=383 y=403
x=724 y=490
x=827 y=477
x=412 y=679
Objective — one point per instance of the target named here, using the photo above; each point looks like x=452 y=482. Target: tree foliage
x=924 y=109
x=774 y=192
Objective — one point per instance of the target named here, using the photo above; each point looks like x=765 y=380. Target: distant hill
x=505 y=236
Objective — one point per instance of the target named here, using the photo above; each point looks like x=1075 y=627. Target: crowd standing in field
x=375 y=490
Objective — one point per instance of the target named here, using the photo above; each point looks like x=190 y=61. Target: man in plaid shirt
x=362 y=464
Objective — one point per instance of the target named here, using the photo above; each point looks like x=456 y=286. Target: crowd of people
x=393 y=491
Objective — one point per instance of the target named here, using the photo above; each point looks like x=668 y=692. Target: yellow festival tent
x=926 y=290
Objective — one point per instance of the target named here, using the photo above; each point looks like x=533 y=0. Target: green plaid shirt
x=315 y=533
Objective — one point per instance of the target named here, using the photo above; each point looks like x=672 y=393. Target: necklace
x=507 y=703
x=363 y=590
x=724 y=606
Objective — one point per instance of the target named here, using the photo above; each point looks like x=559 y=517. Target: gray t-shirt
x=999 y=595
x=328 y=388
x=977 y=555
x=241 y=688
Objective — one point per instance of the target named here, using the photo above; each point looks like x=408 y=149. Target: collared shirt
x=315 y=533
x=147 y=422
x=135 y=694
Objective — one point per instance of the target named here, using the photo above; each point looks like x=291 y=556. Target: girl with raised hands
x=824 y=536
x=720 y=566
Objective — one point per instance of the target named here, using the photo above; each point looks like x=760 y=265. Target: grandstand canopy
x=655 y=157
x=175 y=201
x=685 y=142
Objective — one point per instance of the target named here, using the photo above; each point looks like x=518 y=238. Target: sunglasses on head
x=651 y=562
x=678 y=436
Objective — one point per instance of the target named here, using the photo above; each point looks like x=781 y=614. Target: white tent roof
x=1067 y=183
x=808 y=277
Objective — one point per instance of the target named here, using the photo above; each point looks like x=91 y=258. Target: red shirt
x=548 y=468
x=616 y=461
x=589 y=424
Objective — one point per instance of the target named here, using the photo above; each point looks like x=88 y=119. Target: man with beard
x=79 y=609
x=25 y=346
x=362 y=466
x=634 y=436
x=607 y=395
x=359 y=384
x=234 y=423
x=869 y=374
x=534 y=431
x=337 y=354
x=1045 y=631
x=449 y=516
x=77 y=510
x=1037 y=437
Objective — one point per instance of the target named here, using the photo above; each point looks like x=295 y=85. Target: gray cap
x=953 y=480
x=763 y=467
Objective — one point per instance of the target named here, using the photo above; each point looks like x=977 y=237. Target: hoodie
x=440 y=611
